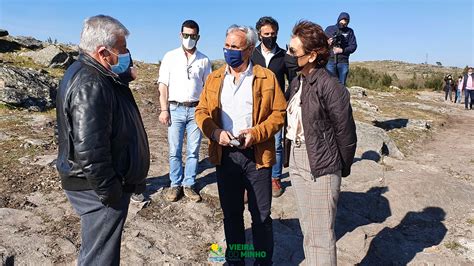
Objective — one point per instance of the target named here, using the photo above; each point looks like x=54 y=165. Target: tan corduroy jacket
x=269 y=107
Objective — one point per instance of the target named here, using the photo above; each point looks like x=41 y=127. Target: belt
x=298 y=143
x=185 y=104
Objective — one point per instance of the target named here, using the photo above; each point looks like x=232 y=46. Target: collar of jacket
x=257 y=71
x=89 y=60
x=258 y=49
x=314 y=75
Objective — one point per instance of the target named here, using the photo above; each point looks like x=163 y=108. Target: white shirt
x=267 y=55
x=460 y=82
x=294 y=129
x=470 y=82
x=237 y=101
x=184 y=78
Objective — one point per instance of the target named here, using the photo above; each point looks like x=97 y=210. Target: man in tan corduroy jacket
x=240 y=109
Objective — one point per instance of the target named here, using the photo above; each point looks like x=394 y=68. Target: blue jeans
x=458 y=96
x=101 y=227
x=338 y=70
x=182 y=120
x=277 y=167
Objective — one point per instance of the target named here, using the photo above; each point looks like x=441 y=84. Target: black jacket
x=102 y=142
x=329 y=127
x=464 y=82
x=349 y=42
x=276 y=65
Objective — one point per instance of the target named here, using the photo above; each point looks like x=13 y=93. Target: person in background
x=343 y=43
x=458 y=90
x=183 y=72
x=448 y=86
x=268 y=54
x=323 y=141
x=468 y=87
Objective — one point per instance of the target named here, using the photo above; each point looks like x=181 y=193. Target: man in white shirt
x=183 y=72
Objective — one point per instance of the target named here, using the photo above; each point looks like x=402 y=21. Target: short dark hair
x=190 y=24
x=314 y=39
x=266 y=20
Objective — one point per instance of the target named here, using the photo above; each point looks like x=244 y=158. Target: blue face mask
x=233 y=57
x=122 y=64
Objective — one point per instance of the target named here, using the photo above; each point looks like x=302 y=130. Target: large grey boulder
x=357 y=91
x=27 y=88
x=52 y=56
x=10 y=44
x=373 y=142
x=28 y=42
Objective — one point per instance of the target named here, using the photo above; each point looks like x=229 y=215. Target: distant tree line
x=370 y=79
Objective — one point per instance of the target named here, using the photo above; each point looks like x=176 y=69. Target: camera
x=337 y=39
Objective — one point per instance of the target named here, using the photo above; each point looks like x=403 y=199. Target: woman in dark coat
x=323 y=139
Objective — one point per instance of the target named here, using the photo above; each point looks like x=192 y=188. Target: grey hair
x=101 y=30
x=250 y=33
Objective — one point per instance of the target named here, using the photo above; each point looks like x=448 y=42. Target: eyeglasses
x=291 y=51
x=192 y=36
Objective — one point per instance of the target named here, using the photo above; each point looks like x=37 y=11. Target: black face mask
x=269 y=42
x=291 y=63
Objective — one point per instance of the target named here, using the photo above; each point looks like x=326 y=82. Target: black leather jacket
x=102 y=142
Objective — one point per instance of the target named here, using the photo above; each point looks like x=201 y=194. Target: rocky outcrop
x=357 y=91
x=373 y=142
x=11 y=44
x=52 y=56
x=3 y=33
x=27 y=88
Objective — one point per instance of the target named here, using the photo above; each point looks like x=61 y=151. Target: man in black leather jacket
x=103 y=147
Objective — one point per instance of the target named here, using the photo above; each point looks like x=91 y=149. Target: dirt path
x=424 y=203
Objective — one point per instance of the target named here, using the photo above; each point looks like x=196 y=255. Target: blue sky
x=391 y=29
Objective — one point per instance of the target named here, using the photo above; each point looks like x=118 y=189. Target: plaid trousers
x=317 y=205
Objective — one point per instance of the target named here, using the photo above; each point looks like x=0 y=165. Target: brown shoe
x=277 y=190
x=191 y=194
x=173 y=194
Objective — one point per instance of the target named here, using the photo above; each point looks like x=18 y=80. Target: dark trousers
x=101 y=227
x=468 y=94
x=448 y=93
x=237 y=173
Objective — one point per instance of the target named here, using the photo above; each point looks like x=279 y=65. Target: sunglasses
x=192 y=36
x=291 y=51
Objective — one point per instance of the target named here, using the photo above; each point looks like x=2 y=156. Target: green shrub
x=435 y=82
x=364 y=77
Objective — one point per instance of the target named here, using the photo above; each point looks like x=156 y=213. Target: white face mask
x=189 y=43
